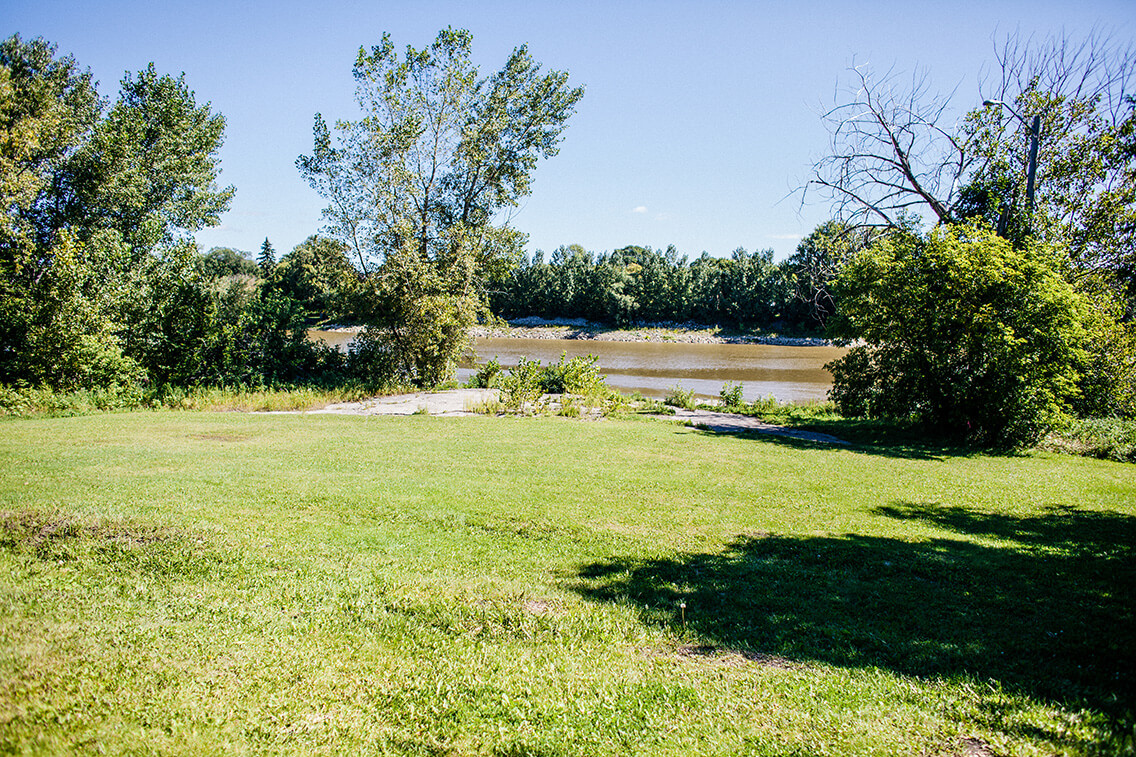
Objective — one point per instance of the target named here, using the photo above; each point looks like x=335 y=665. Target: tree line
x=746 y=291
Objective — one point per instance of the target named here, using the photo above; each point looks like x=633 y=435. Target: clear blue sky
x=699 y=118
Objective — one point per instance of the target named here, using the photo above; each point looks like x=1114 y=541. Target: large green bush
x=963 y=332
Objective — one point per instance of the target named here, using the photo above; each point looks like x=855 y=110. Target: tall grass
x=1106 y=438
x=45 y=402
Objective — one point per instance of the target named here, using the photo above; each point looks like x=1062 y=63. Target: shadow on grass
x=871 y=437
x=884 y=446
x=1048 y=613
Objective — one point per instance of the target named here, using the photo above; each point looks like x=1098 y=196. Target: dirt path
x=456 y=402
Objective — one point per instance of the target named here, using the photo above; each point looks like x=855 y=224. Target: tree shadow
x=1048 y=613
x=925 y=449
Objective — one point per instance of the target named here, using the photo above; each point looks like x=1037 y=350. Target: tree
x=1086 y=177
x=813 y=267
x=267 y=259
x=963 y=332
x=897 y=158
x=896 y=150
x=893 y=152
x=48 y=108
x=149 y=170
x=226 y=261
x=318 y=274
x=417 y=184
x=97 y=214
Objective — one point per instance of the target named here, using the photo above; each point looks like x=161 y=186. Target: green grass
x=190 y=583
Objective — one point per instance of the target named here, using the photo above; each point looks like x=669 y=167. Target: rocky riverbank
x=690 y=333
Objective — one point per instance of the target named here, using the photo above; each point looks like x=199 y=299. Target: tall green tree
x=97 y=216
x=226 y=261
x=416 y=187
x=150 y=169
x=318 y=274
x=48 y=110
x=267 y=259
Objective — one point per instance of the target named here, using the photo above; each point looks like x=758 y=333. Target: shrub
x=1108 y=438
x=731 y=395
x=962 y=333
x=522 y=387
x=679 y=397
x=487 y=376
x=26 y=401
x=578 y=375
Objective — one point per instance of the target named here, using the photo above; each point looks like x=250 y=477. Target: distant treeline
x=637 y=284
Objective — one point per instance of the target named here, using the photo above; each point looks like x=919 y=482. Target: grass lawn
x=192 y=583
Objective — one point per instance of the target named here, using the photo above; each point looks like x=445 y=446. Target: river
x=788 y=373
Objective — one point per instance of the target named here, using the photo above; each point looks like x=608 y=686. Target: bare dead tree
x=894 y=152
x=1098 y=68
x=898 y=149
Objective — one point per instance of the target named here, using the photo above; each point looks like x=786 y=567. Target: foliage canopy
x=98 y=210
x=417 y=184
x=1008 y=315
x=895 y=151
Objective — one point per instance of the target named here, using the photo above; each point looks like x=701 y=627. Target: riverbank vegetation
x=1009 y=318
x=202 y=582
x=25 y=402
x=1015 y=311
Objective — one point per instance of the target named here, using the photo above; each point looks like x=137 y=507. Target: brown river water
x=788 y=373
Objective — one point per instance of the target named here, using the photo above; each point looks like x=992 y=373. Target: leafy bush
x=962 y=333
x=25 y=401
x=1108 y=438
x=487 y=376
x=568 y=407
x=679 y=397
x=731 y=395
x=648 y=405
x=522 y=387
x=579 y=375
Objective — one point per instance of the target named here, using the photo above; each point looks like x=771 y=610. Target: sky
x=699 y=121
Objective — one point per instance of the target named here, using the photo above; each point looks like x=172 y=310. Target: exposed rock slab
x=450 y=402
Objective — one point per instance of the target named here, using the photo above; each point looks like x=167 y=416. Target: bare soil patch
x=733 y=657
